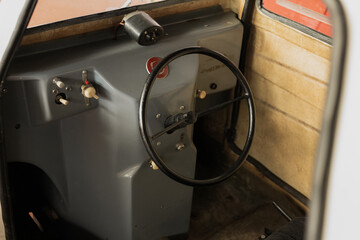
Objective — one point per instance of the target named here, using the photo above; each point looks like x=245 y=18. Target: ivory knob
x=89 y=92
x=201 y=94
x=64 y=101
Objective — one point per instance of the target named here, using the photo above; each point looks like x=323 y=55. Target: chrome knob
x=180 y=146
x=57 y=81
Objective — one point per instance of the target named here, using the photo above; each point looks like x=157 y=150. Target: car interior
x=175 y=119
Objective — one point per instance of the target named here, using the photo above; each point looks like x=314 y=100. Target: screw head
x=158 y=115
x=55 y=91
x=182 y=107
x=68 y=88
x=158 y=143
x=180 y=146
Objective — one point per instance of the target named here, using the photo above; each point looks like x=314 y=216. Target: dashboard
x=72 y=111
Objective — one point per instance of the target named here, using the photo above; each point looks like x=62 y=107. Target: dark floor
x=241 y=208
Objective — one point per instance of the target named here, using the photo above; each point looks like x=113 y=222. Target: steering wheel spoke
x=168 y=129
x=221 y=105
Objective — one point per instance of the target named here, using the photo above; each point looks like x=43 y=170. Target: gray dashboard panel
x=94 y=154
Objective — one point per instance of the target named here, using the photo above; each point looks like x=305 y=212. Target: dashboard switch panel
x=63 y=97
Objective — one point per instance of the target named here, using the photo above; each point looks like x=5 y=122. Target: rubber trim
x=9 y=54
x=329 y=124
x=246 y=20
x=278 y=181
x=296 y=25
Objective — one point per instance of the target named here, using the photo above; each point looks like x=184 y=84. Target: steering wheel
x=181 y=120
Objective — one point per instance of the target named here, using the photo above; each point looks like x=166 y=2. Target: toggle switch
x=57 y=81
x=61 y=99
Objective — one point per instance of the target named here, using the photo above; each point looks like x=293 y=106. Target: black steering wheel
x=181 y=120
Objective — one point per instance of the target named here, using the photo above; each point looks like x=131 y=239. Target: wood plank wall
x=288 y=72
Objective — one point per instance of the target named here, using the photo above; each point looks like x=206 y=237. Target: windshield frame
x=102 y=15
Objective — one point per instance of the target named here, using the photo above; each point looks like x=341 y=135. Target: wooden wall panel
x=308 y=89
x=283 y=144
x=285 y=101
x=288 y=72
x=294 y=36
x=284 y=52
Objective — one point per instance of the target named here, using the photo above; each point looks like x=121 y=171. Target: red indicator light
x=152 y=62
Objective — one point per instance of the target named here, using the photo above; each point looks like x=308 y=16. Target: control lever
x=87 y=89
